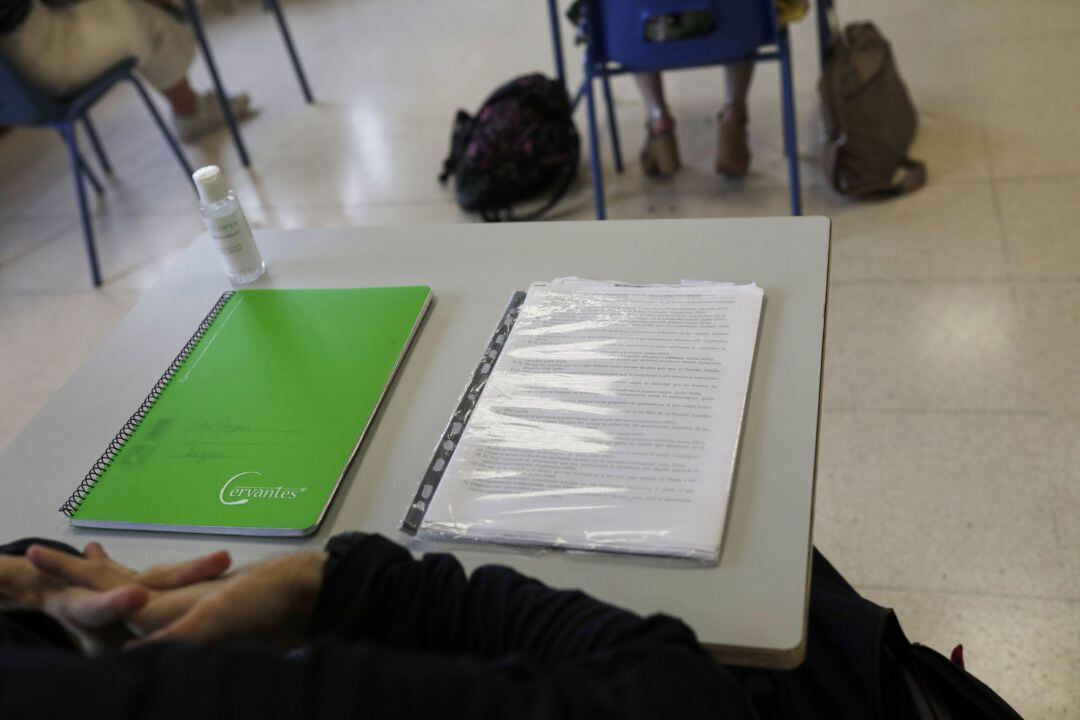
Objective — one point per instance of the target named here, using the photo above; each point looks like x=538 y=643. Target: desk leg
x=230 y=119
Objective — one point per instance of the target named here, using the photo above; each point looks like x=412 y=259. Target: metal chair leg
x=77 y=170
x=823 y=30
x=275 y=7
x=594 y=147
x=173 y=143
x=577 y=98
x=613 y=127
x=85 y=169
x=556 y=40
x=790 y=139
x=211 y=66
x=95 y=141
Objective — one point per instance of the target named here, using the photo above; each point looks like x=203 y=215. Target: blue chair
x=616 y=44
x=22 y=103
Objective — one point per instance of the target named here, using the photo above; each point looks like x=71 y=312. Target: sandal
x=732 y=149
x=660 y=156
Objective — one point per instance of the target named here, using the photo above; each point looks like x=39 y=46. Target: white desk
x=750 y=609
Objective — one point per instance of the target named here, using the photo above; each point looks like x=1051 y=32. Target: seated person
x=364 y=630
x=660 y=156
x=61 y=45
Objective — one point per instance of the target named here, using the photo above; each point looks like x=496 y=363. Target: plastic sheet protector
x=604 y=416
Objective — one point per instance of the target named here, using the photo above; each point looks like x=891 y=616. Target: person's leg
x=660 y=156
x=64 y=48
x=737 y=80
x=164 y=61
x=733 y=151
x=657 y=116
x=182 y=98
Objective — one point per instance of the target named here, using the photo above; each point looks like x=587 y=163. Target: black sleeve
x=396 y=637
x=379 y=592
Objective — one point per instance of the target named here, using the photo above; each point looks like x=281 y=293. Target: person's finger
x=167 y=606
x=196 y=627
x=70 y=568
x=165 y=577
x=94 y=551
x=89 y=609
x=17 y=581
x=11 y=573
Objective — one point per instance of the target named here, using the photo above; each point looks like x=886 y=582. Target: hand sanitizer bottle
x=227 y=225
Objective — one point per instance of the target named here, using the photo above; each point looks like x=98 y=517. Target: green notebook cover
x=252 y=427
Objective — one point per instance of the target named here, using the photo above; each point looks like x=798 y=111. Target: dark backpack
x=859 y=665
x=870 y=121
x=522 y=142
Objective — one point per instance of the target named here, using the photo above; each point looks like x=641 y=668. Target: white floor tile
x=948 y=502
x=126 y=246
x=934 y=346
x=1050 y=313
x=942 y=232
x=968 y=22
x=1040 y=220
x=334 y=215
x=1028 y=102
x=21 y=237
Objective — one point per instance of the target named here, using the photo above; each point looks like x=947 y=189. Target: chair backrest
x=21 y=102
x=625 y=31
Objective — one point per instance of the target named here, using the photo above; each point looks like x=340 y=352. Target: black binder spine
x=448 y=442
x=103 y=462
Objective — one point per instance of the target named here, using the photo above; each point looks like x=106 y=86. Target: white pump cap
x=211 y=184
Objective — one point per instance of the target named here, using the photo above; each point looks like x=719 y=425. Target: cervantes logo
x=243 y=494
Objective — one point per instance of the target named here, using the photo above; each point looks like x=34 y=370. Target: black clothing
x=398 y=637
x=393 y=637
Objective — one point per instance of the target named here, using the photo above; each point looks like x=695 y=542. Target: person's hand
x=92 y=617
x=25 y=587
x=100 y=601
x=272 y=600
x=21 y=584
x=190 y=602
x=95 y=570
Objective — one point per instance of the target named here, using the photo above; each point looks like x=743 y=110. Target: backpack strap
x=459 y=137
x=910 y=176
x=508 y=214
x=913 y=176
x=556 y=196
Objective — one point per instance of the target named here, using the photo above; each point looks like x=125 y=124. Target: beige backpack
x=870 y=121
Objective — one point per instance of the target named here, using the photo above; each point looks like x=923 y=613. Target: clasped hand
x=106 y=605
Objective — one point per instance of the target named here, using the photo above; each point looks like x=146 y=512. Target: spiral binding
x=103 y=462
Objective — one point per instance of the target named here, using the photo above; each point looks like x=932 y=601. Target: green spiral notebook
x=252 y=427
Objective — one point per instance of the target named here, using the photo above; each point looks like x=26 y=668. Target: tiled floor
x=949 y=467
